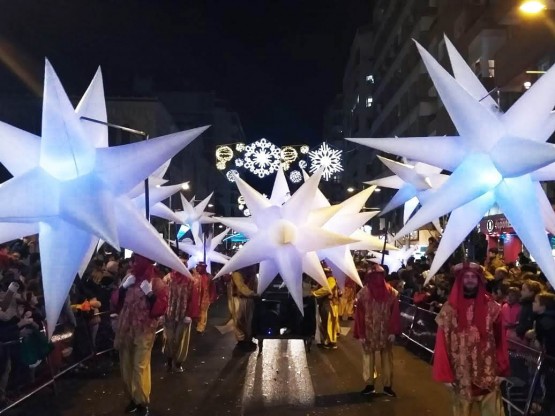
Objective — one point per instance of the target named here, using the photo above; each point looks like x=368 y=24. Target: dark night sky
x=278 y=63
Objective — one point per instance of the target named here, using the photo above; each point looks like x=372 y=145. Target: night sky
x=278 y=63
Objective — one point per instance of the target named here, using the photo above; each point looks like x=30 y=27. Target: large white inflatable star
x=194 y=215
x=284 y=235
x=75 y=190
x=204 y=250
x=492 y=161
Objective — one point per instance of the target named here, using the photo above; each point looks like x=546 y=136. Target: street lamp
x=532 y=7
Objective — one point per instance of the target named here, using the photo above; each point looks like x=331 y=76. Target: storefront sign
x=495 y=224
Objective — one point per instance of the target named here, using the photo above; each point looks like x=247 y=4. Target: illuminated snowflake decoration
x=304 y=149
x=295 y=176
x=239 y=162
x=241 y=200
x=240 y=147
x=303 y=164
x=288 y=154
x=220 y=165
x=285 y=165
x=262 y=158
x=230 y=175
x=224 y=154
x=327 y=158
x=247 y=212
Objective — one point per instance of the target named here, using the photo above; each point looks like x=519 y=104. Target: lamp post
x=133 y=131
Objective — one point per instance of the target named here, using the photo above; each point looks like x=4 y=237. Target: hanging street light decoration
x=240 y=147
x=304 y=149
x=327 y=158
x=239 y=162
x=230 y=175
x=288 y=154
x=220 y=165
x=303 y=164
x=295 y=176
x=262 y=158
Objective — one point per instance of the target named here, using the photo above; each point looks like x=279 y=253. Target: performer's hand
x=13 y=287
x=146 y=287
x=128 y=281
x=391 y=338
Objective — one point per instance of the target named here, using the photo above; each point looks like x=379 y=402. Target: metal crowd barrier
x=72 y=348
x=528 y=391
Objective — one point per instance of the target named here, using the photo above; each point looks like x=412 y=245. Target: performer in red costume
x=377 y=322
x=471 y=351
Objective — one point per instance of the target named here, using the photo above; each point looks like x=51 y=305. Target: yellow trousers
x=176 y=341
x=134 y=361
x=369 y=372
x=347 y=303
x=488 y=405
x=329 y=322
x=243 y=309
x=202 y=319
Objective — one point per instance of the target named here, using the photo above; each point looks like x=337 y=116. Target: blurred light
x=350 y=189
x=535 y=72
x=377 y=190
x=210 y=205
x=185 y=186
x=532 y=6
x=527 y=85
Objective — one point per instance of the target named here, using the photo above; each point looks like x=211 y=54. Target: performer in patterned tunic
x=471 y=351
x=377 y=322
x=177 y=324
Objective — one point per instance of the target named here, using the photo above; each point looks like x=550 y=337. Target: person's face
x=470 y=284
x=512 y=298
x=491 y=254
x=537 y=307
x=16 y=256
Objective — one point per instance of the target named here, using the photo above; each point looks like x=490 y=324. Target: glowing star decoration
x=493 y=161
x=295 y=176
x=204 y=250
x=193 y=215
x=230 y=175
x=262 y=158
x=328 y=159
x=77 y=192
x=239 y=162
x=395 y=259
x=414 y=183
x=283 y=236
x=346 y=220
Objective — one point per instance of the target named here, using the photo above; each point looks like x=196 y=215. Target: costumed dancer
x=471 y=351
x=141 y=300
x=177 y=324
x=328 y=308
x=377 y=322
x=243 y=286
x=347 y=300
x=206 y=296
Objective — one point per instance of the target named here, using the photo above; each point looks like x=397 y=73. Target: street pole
x=137 y=132
x=385 y=241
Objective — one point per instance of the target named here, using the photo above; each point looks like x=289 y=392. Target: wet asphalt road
x=215 y=375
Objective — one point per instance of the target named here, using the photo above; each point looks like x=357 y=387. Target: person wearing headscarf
x=205 y=294
x=328 y=309
x=141 y=300
x=177 y=324
x=377 y=322
x=347 y=301
x=471 y=351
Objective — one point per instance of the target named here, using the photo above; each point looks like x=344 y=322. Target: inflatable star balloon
x=204 y=250
x=395 y=259
x=492 y=161
x=414 y=183
x=283 y=235
x=74 y=190
x=193 y=215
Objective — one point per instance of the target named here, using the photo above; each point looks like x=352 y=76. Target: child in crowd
x=510 y=312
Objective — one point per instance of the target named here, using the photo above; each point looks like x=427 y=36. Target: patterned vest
x=474 y=362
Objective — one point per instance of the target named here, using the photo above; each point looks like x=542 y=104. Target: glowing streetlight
x=350 y=189
x=532 y=6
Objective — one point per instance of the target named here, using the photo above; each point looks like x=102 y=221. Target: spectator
x=499 y=276
x=530 y=289
x=510 y=312
x=493 y=261
x=544 y=308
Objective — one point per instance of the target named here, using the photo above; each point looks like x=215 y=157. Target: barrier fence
x=529 y=390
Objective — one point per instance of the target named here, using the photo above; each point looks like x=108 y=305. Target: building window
x=370 y=79
x=491 y=68
x=369 y=102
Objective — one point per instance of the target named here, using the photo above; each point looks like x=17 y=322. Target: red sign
x=495 y=224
